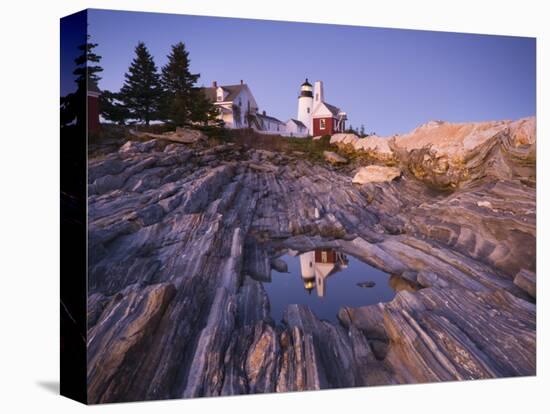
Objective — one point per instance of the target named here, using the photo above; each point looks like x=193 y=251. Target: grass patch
x=304 y=147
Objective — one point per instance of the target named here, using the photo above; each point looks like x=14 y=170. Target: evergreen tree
x=202 y=110
x=141 y=92
x=87 y=68
x=112 y=107
x=362 y=131
x=177 y=82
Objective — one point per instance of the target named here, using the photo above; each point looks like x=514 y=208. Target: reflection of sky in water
x=325 y=295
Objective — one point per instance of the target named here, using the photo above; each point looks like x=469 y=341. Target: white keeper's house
x=238 y=109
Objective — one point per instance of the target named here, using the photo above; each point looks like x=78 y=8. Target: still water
x=326 y=280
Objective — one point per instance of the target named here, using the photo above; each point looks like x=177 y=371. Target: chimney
x=263 y=113
x=242 y=82
x=214 y=84
x=318 y=91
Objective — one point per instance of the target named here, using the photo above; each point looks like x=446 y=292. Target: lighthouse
x=305 y=104
x=307 y=262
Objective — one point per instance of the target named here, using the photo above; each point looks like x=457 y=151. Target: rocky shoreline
x=181 y=237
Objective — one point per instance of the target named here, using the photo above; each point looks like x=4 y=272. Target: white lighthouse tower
x=305 y=105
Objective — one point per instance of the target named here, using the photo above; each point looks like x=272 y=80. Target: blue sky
x=387 y=79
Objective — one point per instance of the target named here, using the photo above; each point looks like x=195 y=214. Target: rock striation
x=432 y=335
x=526 y=280
x=447 y=155
x=182 y=238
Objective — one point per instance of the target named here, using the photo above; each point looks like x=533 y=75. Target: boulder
x=376 y=146
x=350 y=139
x=486 y=204
x=376 y=174
x=334 y=158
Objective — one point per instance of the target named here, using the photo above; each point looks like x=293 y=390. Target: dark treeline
x=147 y=95
x=86 y=71
x=360 y=132
x=168 y=95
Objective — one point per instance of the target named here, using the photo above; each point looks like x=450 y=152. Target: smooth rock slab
x=376 y=174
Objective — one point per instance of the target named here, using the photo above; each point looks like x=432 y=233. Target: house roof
x=333 y=109
x=232 y=90
x=270 y=118
x=299 y=123
x=322 y=108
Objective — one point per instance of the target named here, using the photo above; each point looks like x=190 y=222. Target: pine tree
x=202 y=110
x=112 y=107
x=141 y=91
x=362 y=131
x=87 y=69
x=177 y=82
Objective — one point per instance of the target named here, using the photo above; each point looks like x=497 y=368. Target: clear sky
x=389 y=80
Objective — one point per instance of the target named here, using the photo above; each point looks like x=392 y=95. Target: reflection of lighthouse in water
x=318 y=265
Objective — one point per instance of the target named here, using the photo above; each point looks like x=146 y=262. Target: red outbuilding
x=320 y=117
x=328 y=119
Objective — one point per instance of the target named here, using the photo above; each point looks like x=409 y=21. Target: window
x=324 y=257
x=322 y=124
x=308 y=110
x=240 y=102
x=220 y=98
